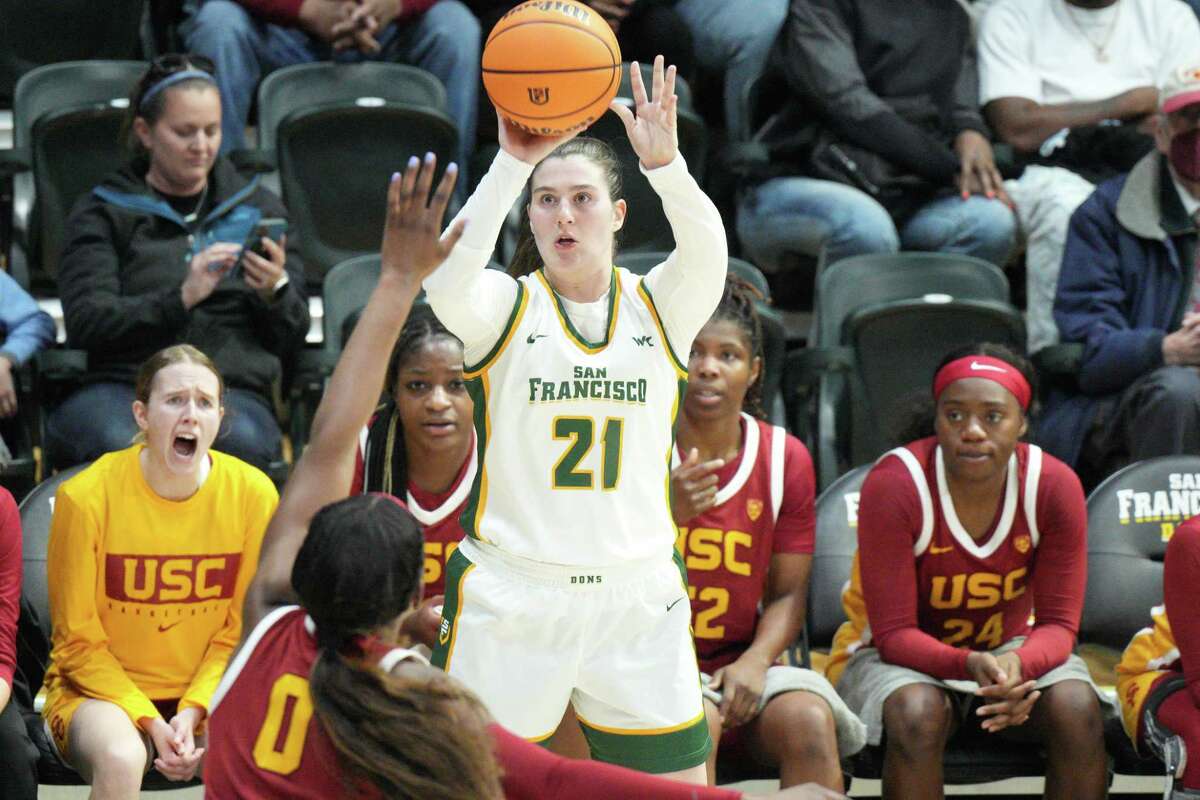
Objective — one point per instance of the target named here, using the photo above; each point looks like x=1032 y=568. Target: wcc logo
x=539 y=95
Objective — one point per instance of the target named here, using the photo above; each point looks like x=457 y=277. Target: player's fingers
x=393 y=198
x=424 y=182
x=445 y=188
x=711 y=466
x=450 y=238
x=412 y=170
x=625 y=115
x=656 y=78
x=668 y=89
x=705 y=480
x=693 y=455
x=636 y=85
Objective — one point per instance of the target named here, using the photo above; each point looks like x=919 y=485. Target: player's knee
x=811 y=734
x=916 y=719
x=1071 y=713
x=121 y=762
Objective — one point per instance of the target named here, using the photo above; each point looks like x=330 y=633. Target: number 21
x=580 y=432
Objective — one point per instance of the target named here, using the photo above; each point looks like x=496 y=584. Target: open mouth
x=184 y=445
x=439 y=427
x=564 y=242
x=706 y=396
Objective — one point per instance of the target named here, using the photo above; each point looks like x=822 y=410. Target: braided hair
x=738 y=305
x=385 y=460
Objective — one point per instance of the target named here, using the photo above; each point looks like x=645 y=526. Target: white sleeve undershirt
x=475 y=303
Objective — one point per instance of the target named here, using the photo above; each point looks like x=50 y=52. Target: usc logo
x=174 y=579
x=708 y=549
x=983 y=589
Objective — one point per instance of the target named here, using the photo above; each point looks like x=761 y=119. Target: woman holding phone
x=160 y=253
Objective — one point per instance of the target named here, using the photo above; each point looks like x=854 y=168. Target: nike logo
x=672 y=605
x=975 y=365
x=533 y=337
x=165 y=628
x=937 y=551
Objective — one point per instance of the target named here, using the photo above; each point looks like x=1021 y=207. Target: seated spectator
x=24 y=329
x=961 y=534
x=18 y=755
x=155 y=256
x=246 y=39
x=733 y=40
x=1070 y=85
x=881 y=146
x=1158 y=683
x=151 y=550
x=1127 y=294
x=750 y=485
x=420 y=445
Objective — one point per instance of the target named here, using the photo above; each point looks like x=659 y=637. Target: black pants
x=1158 y=415
x=18 y=756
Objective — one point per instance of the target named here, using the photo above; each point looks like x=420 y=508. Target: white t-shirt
x=1046 y=50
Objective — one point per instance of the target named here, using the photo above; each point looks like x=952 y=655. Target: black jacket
x=126 y=258
x=896 y=79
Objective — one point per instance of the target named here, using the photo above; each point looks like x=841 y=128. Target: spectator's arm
x=97 y=315
x=965 y=114
x=1060 y=574
x=1012 y=92
x=284 y=320
x=25 y=327
x=10 y=590
x=821 y=65
x=80 y=642
x=1089 y=306
x=260 y=506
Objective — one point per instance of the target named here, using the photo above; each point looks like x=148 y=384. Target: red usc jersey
x=438 y=514
x=764 y=506
x=265 y=740
x=917 y=563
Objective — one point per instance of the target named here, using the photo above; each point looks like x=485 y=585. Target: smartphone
x=272 y=228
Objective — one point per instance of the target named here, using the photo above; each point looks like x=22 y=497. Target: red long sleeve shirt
x=931 y=593
x=10 y=583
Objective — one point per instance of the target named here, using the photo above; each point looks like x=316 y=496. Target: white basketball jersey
x=575 y=437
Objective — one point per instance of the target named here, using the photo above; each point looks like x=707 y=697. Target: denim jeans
x=734 y=39
x=802 y=215
x=444 y=41
x=98 y=419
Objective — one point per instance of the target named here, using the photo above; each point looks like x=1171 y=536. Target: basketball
x=551 y=66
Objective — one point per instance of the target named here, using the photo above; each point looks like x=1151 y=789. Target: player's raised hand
x=693 y=486
x=525 y=146
x=651 y=126
x=413 y=245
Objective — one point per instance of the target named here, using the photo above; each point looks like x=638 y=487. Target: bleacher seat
x=336 y=133
x=36 y=511
x=883 y=323
x=66 y=132
x=1131 y=516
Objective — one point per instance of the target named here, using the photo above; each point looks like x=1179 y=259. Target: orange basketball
x=551 y=66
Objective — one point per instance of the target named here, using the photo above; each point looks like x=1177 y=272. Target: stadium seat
x=883 y=322
x=966 y=761
x=66 y=131
x=646 y=226
x=336 y=132
x=1131 y=516
x=36 y=510
x=774 y=332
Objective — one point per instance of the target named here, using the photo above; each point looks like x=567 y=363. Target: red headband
x=988 y=368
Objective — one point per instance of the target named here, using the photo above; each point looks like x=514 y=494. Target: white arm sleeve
x=688 y=285
x=474 y=303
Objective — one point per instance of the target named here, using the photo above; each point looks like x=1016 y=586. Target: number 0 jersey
x=264 y=740
x=574 y=436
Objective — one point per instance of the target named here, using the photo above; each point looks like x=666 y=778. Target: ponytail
x=421 y=738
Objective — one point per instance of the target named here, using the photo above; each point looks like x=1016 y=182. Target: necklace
x=190 y=218
x=1100 y=49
